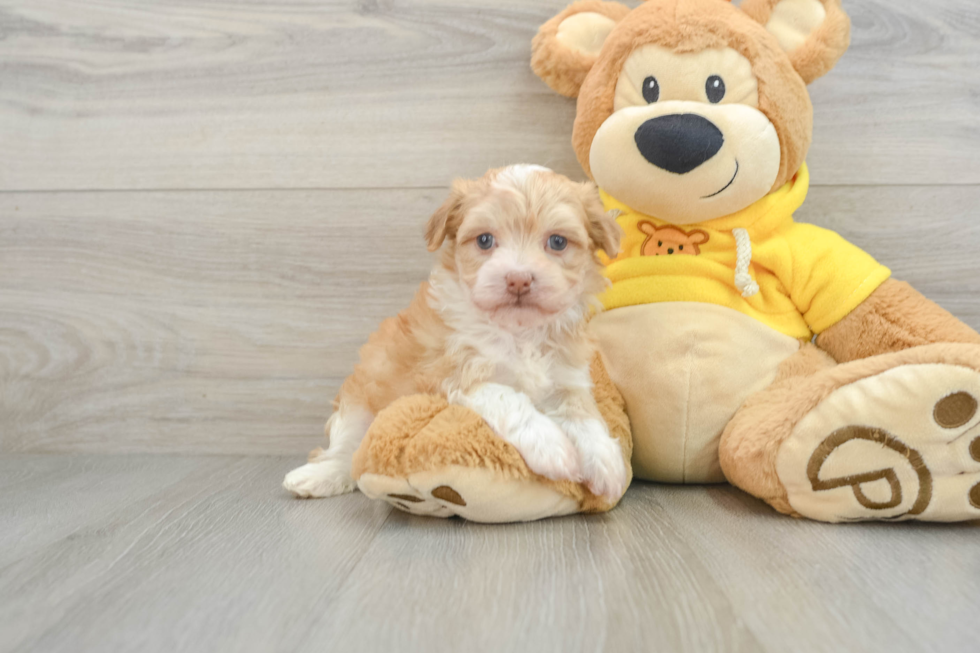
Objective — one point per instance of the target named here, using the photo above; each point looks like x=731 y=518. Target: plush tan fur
x=424 y=433
x=895 y=317
x=823 y=49
x=692 y=26
x=564 y=69
x=751 y=441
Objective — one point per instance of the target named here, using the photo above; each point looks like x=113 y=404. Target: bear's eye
x=715 y=88
x=660 y=243
x=651 y=89
x=681 y=248
x=484 y=241
x=557 y=242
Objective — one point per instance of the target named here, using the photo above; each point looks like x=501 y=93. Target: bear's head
x=689 y=110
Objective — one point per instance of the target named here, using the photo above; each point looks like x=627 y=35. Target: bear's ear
x=567 y=46
x=814 y=33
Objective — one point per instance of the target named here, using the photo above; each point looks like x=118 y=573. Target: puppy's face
x=523 y=240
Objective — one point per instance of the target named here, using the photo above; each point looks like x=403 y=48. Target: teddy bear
x=773 y=355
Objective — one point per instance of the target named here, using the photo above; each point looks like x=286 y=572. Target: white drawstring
x=743 y=256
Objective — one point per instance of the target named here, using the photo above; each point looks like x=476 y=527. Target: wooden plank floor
x=204 y=210
x=180 y=553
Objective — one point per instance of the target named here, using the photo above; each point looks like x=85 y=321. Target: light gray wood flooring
x=205 y=207
x=195 y=553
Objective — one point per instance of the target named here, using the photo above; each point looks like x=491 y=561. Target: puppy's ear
x=445 y=221
x=814 y=33
x=567 y=46
x=603 y=229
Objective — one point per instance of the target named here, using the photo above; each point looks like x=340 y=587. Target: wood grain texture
x=48 y=498
x=874 y=587
x=129 y=94
x=224 y=322
x=222 y=559
x=215 y=322
x=618 y=582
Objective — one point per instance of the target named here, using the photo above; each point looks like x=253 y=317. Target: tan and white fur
x=500 y=328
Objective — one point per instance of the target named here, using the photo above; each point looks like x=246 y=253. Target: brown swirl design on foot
x=855 y=481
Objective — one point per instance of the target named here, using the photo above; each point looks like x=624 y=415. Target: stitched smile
x=726 y=185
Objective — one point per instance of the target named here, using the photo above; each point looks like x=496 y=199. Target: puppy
x=500 y=327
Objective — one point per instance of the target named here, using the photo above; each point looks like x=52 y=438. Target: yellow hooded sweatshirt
x=797 y=278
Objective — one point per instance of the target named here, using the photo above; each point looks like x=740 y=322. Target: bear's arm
x=894 y=317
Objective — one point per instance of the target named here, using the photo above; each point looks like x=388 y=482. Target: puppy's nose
x=518 y=283
x=678 y=143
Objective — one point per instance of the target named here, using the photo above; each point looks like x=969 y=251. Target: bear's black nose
x=680 y=142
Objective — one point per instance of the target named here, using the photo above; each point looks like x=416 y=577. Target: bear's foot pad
x=480 y=495
x=914 y=453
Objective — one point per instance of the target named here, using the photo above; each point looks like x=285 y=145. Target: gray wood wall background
x=206 y=207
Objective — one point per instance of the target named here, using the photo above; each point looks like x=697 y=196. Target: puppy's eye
x=715 y=88
x=557 y=242
x=484 y=241
x=651 y=89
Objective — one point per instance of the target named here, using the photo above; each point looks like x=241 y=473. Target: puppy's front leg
x=328 y=473
x=542 y=444
x=603 y=468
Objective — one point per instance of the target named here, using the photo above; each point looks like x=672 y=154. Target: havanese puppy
x=500 y=327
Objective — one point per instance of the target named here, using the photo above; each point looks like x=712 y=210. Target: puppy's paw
x=547 y=450
x=603 y=468
x=316 y=480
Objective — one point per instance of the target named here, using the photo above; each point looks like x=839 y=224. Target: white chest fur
x=531 y=361
x=523 y=366
x=489 y=354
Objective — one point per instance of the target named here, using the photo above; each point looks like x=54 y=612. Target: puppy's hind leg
x=329 y=471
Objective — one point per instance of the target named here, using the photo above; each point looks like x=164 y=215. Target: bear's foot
x=897 y=445
x=427 y=457
x=480 y=495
